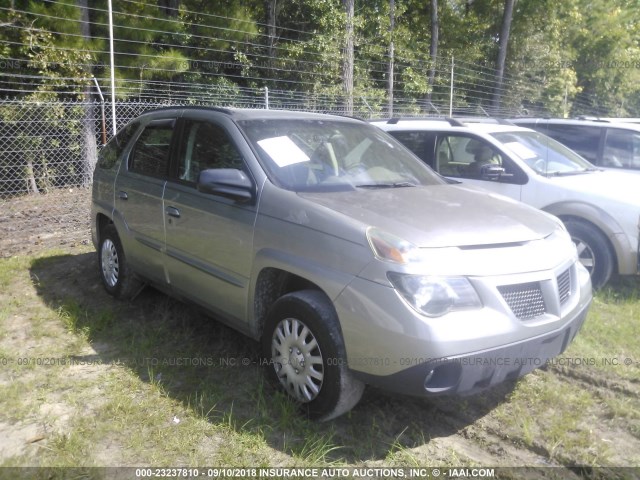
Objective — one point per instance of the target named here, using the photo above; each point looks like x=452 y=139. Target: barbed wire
x=474 y=84
x=408 y=61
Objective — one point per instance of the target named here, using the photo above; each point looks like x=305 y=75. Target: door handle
x=173 y=212
x=122 y=195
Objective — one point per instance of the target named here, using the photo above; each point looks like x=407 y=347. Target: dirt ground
x=33 y=223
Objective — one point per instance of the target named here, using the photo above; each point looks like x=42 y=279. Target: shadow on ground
x=215 y=371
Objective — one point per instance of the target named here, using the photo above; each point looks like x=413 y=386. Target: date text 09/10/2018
x=310 y=472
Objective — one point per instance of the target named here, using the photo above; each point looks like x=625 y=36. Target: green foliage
x=564 y=57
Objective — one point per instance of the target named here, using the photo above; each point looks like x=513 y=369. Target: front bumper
x=473 y=372
x=391 y=346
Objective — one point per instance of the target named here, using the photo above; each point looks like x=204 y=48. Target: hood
x=613 y=185
x=441 y=215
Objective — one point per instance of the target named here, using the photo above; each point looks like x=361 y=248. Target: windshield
x=543 y=154
x=330 y=155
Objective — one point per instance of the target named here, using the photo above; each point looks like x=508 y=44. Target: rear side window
x=418 y=143
x=581 y=138
x=621 y=149
x=150 y=155
x=112 y=151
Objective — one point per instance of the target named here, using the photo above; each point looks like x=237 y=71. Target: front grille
x=564 y=286
x=524 y=299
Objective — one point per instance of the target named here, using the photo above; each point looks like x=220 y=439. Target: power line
x=474 y=83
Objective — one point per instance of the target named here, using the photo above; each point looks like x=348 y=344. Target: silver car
x=349 y=259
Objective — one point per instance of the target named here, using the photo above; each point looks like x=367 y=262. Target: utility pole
x=113 y=71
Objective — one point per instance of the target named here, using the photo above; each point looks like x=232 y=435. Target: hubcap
x=297 y=359
x=110 y=266
x=585 y=254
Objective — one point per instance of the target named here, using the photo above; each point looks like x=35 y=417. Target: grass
x=579 y=412
x=154 y=383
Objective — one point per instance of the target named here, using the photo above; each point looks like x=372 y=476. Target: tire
x=117 y=277
x=305 y=355
x=594 y=251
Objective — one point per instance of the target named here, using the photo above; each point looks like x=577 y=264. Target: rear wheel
x=305 y=354
x=117 y=277
x=593 y=251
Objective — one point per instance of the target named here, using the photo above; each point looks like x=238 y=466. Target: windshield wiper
x=386 y=185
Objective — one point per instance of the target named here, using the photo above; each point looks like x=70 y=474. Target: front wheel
x=117 y=277
x=302 y=343
x=593 y=251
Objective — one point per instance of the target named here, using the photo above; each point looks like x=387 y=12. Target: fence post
x=366 y=104
x=451 y=91
x=104 y=121
x=113 y=70
x=266 y=98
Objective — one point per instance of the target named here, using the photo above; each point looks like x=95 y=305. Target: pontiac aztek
x=349 y=259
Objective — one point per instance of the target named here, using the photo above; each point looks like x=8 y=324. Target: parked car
x=350 y=260
x=607 y=144
x=600 y=209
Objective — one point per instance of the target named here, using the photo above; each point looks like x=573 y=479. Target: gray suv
x=608 y=144
x=349 y=259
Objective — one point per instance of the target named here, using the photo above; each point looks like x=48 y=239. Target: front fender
x=605 y=223
x=591 y=213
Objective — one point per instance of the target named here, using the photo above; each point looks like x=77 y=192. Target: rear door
x=209 y=238
x=138 y=199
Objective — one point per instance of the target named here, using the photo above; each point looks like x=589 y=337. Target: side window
x=466 y=157
x=583 y=139
x=206 y=146
x=111 y=152
x=621 y=149
x=150 y=155
x=418 y=143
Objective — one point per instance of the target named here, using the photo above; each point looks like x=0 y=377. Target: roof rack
x=499 y=121
x=593 y=119
x=454 y=122
x=191 y=107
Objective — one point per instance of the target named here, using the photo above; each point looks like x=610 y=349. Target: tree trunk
x=89 y=149
x=348 y=58
x=170 y=7
x=433 y=47
x=392 y=22
x=32 y=185
x=270 y=7
x=502 y=52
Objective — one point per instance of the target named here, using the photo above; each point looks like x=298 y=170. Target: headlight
x=435 y=296
x=391 y=248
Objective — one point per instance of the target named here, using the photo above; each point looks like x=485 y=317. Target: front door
x=475 y=161
x=209 y=239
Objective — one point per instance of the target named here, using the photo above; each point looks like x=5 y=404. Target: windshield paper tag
x=283 y=151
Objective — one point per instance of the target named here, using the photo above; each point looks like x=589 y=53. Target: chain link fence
x=48 y=151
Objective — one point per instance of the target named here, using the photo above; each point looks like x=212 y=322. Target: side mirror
x=491 y=171
x=226 y=182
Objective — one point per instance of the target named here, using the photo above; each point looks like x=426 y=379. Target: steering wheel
x=540 y=165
